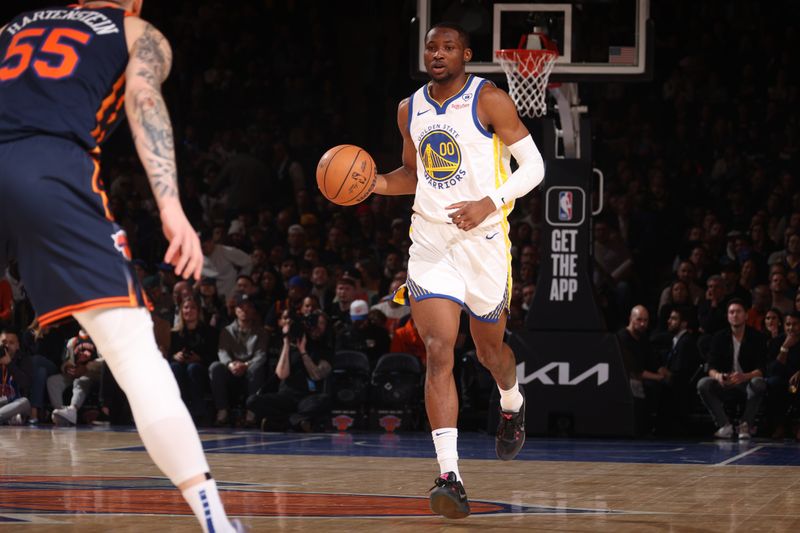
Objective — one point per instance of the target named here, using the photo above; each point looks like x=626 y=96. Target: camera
x=300 y=325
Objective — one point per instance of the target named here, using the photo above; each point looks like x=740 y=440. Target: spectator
x=406 y=339
x=15 y=407
x=711 y=311
x=686 y=274
x=320 y=279
x=339 y=309
x=784 y=364
x=773 y=323
x=223 y=263
x=735 y=369
x=678 y=296
x=762 y=300
x=193 y=349
x=242 y=357
x=214 y=310
x=778 y=288
x=299 y=287
x=303 y=365
x=362 y=335
x=31 y=372
x=682 y=361
x=82 y=369
x=647 y=374
x=730 y=279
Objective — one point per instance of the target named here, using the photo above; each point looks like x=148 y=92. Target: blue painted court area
x=481 y=446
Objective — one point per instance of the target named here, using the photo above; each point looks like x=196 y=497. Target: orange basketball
x=346 y=174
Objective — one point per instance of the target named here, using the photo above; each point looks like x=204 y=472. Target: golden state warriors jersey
x=457 y=158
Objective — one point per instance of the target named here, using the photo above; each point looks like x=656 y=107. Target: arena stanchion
x=570 y=365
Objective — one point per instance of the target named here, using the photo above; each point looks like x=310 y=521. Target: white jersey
x=457 y=158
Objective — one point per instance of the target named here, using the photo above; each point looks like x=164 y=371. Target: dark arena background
x=670 y=136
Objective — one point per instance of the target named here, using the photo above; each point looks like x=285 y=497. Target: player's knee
x=488 y=353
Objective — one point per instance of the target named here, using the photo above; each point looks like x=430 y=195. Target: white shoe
x=725 y=432
x=66 y=416
x=744 y=431
x=15 y=420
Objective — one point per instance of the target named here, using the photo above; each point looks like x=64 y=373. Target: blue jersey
x=62 y=73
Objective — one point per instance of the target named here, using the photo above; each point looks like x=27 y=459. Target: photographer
x=82 y=368
x=193 y=348
x=302 y=367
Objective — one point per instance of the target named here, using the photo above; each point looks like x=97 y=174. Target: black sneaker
x=511 y=432
x=448 y=497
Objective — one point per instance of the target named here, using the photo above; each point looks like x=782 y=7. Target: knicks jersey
x=62 y=74
x=457 y=158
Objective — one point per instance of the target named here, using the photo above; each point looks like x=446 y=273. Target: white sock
x=204 y=500
x=511 y=399
x=445 y=440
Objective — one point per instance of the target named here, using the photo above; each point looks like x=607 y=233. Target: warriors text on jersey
x=458 y=159
x=62 y=74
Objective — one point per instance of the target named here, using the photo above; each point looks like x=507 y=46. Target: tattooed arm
x=150 y=59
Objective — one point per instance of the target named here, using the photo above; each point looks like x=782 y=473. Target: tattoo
x=149 y=50
x=156 y=141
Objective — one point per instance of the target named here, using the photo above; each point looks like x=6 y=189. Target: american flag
x=622 y=55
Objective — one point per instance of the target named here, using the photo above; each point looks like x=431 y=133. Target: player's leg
x=125 y=338
x=436 y=320
x=498 y=358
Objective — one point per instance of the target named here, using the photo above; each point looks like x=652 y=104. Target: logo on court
x=565 y=206
x=42 y=498
x=441 y=158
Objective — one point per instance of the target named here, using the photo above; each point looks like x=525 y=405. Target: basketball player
x=457 y=132
x=64 y=75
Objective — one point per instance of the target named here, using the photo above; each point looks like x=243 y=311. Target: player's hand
x=469 y=215
x=795 y=379
x=184 y=252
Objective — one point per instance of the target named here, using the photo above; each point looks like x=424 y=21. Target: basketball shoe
x=511 y=432
x=448 y=497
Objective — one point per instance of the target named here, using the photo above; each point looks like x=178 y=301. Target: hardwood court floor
x=92 y=480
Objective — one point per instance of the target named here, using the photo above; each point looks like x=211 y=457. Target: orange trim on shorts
x=98 y=190
x=100 y=303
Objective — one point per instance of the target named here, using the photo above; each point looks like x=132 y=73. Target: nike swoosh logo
x=440 y=434
x=422 y=112
x=492 y=236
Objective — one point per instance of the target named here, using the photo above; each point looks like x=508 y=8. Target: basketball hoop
x=527 y=72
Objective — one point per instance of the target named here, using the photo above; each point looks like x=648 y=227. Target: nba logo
x=565 y=205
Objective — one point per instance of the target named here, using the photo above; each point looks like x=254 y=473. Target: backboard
x=598 y=40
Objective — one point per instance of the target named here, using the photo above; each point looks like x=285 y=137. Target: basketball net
x=527 y=72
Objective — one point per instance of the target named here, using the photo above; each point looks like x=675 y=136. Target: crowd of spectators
x=703 y=204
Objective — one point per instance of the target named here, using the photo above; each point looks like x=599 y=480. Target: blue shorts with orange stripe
x=54 y=219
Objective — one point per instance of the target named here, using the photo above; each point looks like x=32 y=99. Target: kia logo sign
x=545 y=375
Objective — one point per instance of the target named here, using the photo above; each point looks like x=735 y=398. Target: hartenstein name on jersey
x=441 y=156
x=98 y=22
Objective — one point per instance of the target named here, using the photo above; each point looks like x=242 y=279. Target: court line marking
x=254 y=444
x=737 y=457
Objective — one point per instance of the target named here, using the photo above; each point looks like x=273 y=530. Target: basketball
x=346 y=174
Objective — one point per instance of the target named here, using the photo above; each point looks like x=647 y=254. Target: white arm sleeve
x=528 y=175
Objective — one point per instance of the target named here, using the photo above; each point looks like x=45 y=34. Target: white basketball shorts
x=472 y=268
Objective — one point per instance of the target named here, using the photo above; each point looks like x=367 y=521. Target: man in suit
x=681 y=361
x=736 y=364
